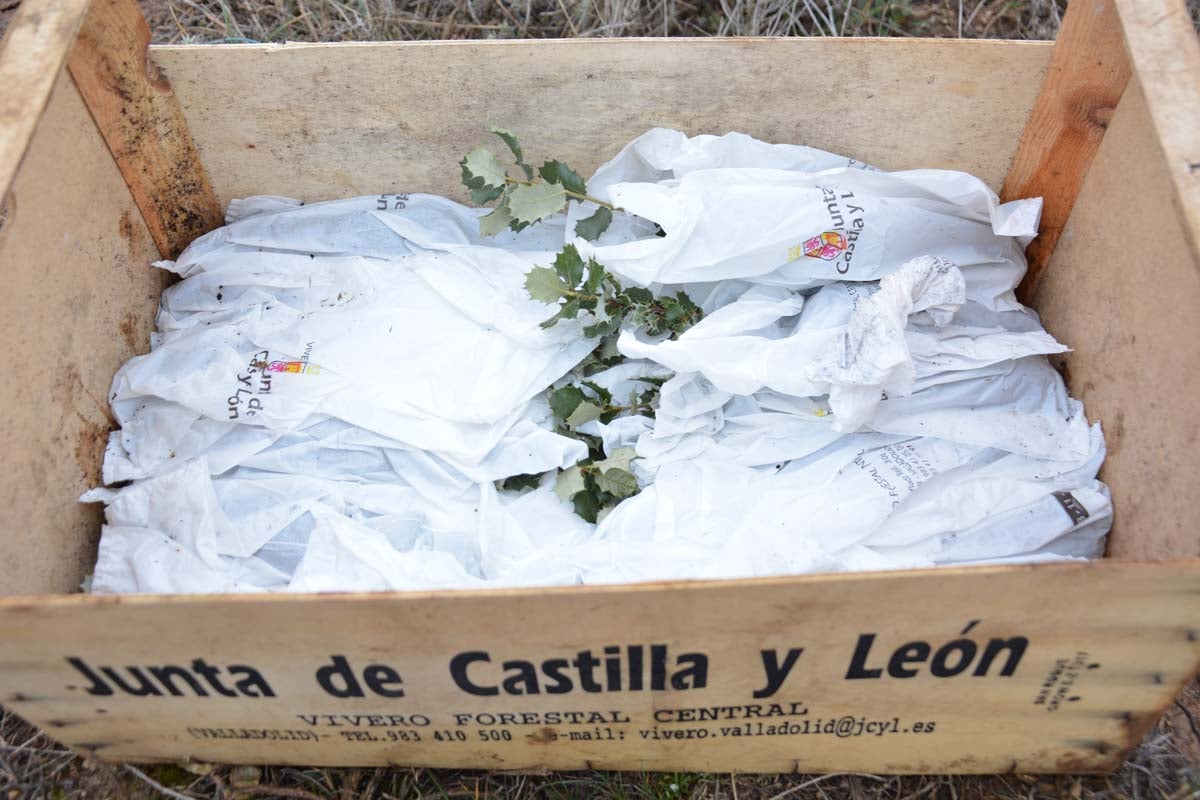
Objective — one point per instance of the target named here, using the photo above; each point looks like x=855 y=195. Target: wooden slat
x=1087 y=74
x=34 y=49
x=1108 y=646
x=1165 y=51
x=140 y=119
x=335 y=120
x=79 y=299
x=1123 y=289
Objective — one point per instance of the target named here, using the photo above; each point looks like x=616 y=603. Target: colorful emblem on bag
x=294 y=367
x=827 y=246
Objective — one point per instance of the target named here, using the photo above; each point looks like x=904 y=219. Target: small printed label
x=1073 y=507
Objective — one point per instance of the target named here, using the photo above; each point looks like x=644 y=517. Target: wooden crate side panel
x=141 y=122
x=79 y=299
x=1087 y=73
x=1103 y=648
x=34 y=49
x=1123 y=289
x=323 y=121
x=1165 y=52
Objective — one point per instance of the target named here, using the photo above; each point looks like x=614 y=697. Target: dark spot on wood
x=541 y=736
x=1191 y=635
x=130 y=331
x=1157 y=678
x=19 y=697
x=89 y=450
x=62 y=723
x=101 y=710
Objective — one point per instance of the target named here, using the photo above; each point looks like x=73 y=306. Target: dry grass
x=1165 y=765
x=340 y=20
x=191 y=21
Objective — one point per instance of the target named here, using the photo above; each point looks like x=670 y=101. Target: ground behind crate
x=1167 y=764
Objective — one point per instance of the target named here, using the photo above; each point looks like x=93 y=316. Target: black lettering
x=458 y=671
x=339 y=668
x=525 y=680
x=776 y=674
x=1016 y=649
x=911 y=653
x=553 y=669
x=98 y=688
x=858 y=662
x=166 y=675
x=381 y=679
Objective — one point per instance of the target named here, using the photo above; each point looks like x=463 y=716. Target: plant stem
x=569 y=193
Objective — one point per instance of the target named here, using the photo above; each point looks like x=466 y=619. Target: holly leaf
x=530 y=204
x=521 y=482
x=481 y=197
x=568 y=310
x=569 y=483
x=543 y=284
x=481 y=170
x=604 y=394
x=495 y=222
x=510 y=139
x=617 y=482
x=564 y=401
x=591 y=227
x=637 y=294
x=569 y=266
x=595 y=276
x=560 y=173
x=584 y=413
x=620 y=459
x=586 y=506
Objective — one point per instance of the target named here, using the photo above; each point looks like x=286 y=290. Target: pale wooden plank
x=34 y=49
x=79 y=299
x=1127 y=629
x=1084 y=81
x=1123 y=289
x=321 y=121
x=1165 y=52
x=137 y=114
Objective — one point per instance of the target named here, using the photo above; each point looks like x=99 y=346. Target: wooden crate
x=123 y=155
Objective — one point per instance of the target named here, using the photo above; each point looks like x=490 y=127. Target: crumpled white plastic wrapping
x=335 y=390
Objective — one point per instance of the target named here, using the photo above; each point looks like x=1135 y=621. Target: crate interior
x=326 y=121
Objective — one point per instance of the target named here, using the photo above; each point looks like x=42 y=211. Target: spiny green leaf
x=604 y=394
x=586 y=506
x=569 y=266
x=639 y=295
x=605 y=328
x=591 y=227
x=543 y=284
x=595 y=276
x=560 y=173
x=481 y=197
x=617 y=482
x=569 y=483
x=510 y=139
x=564 y=401
x=530 y=204
x=620 y=459
x=521 y=482
x=568 y=310
x=495 y=222
x=482 y=169
x=584 y=413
